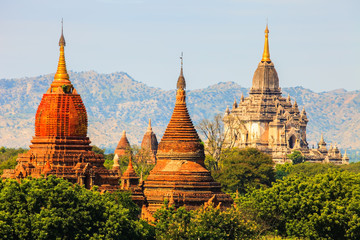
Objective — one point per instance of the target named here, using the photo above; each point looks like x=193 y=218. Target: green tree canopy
x=205 y=223
x=8 y=157
x=56 y=209
x=242 y=169
x=296 y=157
x=324 y=206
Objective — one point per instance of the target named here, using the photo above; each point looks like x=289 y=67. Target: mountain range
x=116 y=102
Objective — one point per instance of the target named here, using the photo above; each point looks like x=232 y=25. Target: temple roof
x=123 y=143
x=130 y=172
x=61 y=111
x=265 y=80
x=180 y=135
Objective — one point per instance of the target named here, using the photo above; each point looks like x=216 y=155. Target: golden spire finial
x=266 y=54
x=61 y=77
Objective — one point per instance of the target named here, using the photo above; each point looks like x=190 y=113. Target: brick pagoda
x=60 y=146
x=149 y=144
x=180 y=174
x=123 y=147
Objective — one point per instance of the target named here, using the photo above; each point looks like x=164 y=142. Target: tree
x=8 y=157
x=208 y=222
x=217 y=137
x=324 y=206
x=98 y=150
x=243 y=169
x=296 y=157
x=282 y=170
x=54 y=208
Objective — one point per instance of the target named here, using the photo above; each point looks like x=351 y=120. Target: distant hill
x=116 y=102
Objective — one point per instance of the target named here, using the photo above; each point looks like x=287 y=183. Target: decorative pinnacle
x=61 y=76
x=181 y=84
x=149 y=129
x=130 y=163
x=62 y=39
x=266 y=54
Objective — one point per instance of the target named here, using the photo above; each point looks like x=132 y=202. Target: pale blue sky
x=313 y=43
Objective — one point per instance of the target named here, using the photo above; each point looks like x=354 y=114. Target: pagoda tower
x=149 y=144
x=269 y=122
x=123 y=146
x=60 y=146
x=180 y=173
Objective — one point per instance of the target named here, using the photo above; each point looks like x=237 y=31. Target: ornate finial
x=130 y=162
x=62 y=39
x=295 y=104
x=61 y=77
x=288 y=98
x=149 y=129
x=227 y=111
x=266 y=54
x=182 y=54
x=235 y=103
x=181 y=84
x=141 y=177
x=242 y=97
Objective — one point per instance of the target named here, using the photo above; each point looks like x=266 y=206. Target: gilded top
x=62 y=39
x=61 y=78
x=266 y=54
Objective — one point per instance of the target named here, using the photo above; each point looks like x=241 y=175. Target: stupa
x=123 y=147
x=149 y=145
x=180 y=174
x=60 y=146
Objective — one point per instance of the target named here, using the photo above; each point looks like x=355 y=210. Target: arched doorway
x=292 y=141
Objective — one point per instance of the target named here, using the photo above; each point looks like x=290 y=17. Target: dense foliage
x=244 y=169
x=308 y=201
x=296 y=157
x=324 y=206
x=208 y=222
x=56 y=209
x=139 y=159
x=8 y=157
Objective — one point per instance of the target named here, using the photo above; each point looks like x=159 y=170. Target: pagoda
x=180 y=174
x=270 y=122
x=60 y=146
x=123 y=147
x=149 y=145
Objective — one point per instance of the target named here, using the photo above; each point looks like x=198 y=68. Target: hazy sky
x=314 y=44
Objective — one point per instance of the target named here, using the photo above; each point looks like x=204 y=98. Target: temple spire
x=149 y=129
x=181 y=84
x=61 y=77
x=266 y=54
